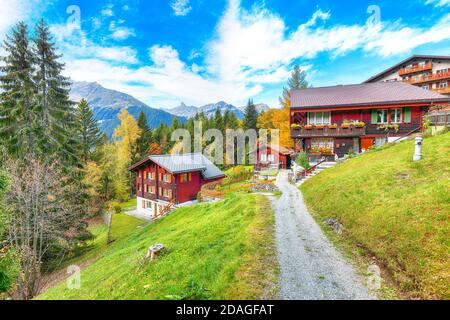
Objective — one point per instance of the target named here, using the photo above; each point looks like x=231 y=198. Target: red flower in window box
x=333 y=126
x=309 y=127
x=345 y=125
x=320 y=126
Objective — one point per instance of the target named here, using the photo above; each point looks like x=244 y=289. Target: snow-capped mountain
x=106 y=104
x=209 y=110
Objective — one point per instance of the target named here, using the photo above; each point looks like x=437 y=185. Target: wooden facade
x=277 y=156
x=353 y=129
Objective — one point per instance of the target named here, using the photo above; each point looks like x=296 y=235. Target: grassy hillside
x=397 y=209
x=214 y=251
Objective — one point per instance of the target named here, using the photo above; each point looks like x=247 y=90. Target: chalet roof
x=400 y=64
x=183 y=163
x=277 y=148
x=366 y=94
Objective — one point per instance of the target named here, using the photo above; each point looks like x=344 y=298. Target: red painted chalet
x=273 y=156
x=167 y=181
x=337 y=120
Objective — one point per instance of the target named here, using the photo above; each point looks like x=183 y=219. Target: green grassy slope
x=397 y=209
x=214 y=251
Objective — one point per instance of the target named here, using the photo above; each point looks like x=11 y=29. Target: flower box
x=320 y=127
x=332 y=126
x=345 y=126
x=309 y=127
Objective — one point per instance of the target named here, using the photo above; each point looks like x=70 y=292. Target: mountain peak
x=106 y=105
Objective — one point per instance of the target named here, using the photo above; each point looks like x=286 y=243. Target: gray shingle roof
x=181 y=163
x=379 y=93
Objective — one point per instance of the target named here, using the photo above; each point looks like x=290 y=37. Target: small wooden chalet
x=167 y=181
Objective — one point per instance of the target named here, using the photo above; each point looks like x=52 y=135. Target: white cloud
x=12 y=11
x=438 y=3
x=75 y=45
x=180 y=7
x=108 y=11
x=120 y=32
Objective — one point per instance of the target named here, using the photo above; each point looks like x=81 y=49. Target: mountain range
x=209 y=110
x=106 y=104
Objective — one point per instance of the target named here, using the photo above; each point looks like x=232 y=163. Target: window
x=151 y=176
x=396 y=115
x=322 y=143
x=152 y=189
x=263 y=157
x=147 y=204
x=382 y=116
x=166 y=178
x=319 y=118
x=184 y=177
x=443 y=85
x=139 y=187
x=425 y=87
x=167 y=193
x=271 y=158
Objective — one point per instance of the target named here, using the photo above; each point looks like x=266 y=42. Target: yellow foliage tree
x=126 y=136
x=93 y=181
x=277 y=119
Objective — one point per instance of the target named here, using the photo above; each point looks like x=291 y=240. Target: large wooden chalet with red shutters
x=335 y=121
x=167 y=181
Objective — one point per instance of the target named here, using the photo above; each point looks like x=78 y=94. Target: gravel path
x=311 y=268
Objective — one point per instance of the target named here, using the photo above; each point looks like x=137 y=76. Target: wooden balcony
x=442 y=90
x=352 y=131
x=405 y=71
x=429 y=78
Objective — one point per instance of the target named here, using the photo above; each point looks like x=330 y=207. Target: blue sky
x=200 y=51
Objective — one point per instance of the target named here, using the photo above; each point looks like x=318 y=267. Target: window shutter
x=374 y=116
x=160 y=191
x=407 y=115
x=170 y=193
x=160 y=176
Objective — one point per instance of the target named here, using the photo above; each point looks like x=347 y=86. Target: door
x=366 y=143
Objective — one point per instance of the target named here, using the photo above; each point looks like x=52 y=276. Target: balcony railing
x=442 y=90
x=428 y=78
x=419 y=68
x=352 y=131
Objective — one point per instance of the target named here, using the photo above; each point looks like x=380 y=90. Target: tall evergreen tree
x=56 y=115
x=87 y=130
x=295 y=82
x=251 y=116
x=17 y=104
x=218 y=120
x=144 y=140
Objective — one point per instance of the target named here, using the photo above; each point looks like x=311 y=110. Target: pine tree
x=17 y=104
x=295 y=82
x=144 y=140
x=218 y=120
x=56 y=115
x=251 y=116
x=87 y=130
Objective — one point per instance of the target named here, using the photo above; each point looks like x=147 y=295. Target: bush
x=302 y=160
x=9 y=269
x=115 y=207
